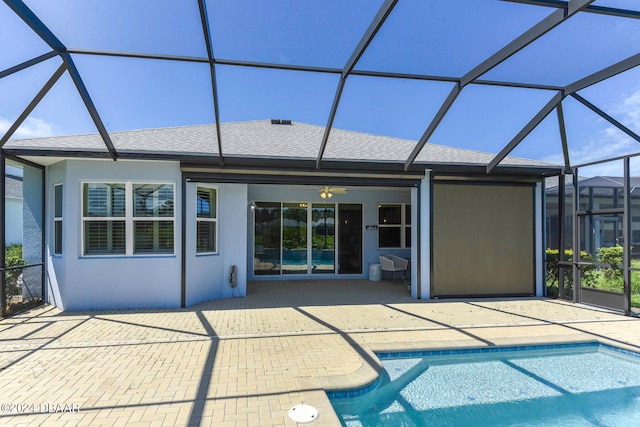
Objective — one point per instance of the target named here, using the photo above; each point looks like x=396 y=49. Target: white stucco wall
x=94 y=282
x=55 y=266
x=76 y=282
x=539 y=236
x=208 y=274
x=425 y=239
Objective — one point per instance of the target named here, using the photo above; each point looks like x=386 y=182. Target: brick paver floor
x=247 y=361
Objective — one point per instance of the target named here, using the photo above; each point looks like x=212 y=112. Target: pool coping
x=355 y=391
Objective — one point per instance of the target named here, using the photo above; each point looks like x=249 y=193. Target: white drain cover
x=303 y=413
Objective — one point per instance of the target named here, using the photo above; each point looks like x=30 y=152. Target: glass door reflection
x=266 y=251
x=323 y=238
x=350 y=238
x=294 y=238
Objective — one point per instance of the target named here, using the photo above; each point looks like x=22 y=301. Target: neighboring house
x=13 y=203
x=163 y=225
x=601 y=201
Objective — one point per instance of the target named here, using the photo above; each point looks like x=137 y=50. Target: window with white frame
x=57 y=219
x=128 y=218
x=206 y=220
x=153 y=215
x=394 y=225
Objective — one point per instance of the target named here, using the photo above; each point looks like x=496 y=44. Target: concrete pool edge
x=366 y=378
x=367 y=375
x=544 y=384
x=461 y=351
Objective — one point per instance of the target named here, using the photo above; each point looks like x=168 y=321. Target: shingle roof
x=263 y=139
x=600 y=184
x=609 y=182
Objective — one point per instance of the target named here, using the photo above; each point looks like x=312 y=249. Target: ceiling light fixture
x=327 y=192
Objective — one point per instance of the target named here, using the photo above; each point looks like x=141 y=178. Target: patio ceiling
x=432 y=66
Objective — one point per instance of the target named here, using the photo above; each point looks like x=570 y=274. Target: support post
x=44 y=236
x=425 y=237
x=563 y=136
x=626 y=241
x=417 y=243
x=576 y=238
x=183 y=243
x=561 y=231
x=3 y=261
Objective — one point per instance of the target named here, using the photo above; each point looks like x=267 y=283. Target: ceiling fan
x=327 y=192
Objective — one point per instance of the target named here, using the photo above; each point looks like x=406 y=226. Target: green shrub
x=13 y=251
x=13 y=258
x=614 y=256
x=635 y=279
x=601 y=278
x=553 y=268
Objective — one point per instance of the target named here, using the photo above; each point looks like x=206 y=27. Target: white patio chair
x=393 y=263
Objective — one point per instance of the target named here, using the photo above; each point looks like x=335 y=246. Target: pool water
x=580 y=384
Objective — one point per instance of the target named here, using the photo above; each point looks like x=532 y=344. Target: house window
x=153 y=215
x=57 y=219
x=127 y=218
x=394 y=226
x=206 y=220
x=103 y=218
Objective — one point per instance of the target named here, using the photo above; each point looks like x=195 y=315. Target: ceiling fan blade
x=338 y=190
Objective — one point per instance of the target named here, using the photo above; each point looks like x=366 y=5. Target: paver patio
x=247 y=361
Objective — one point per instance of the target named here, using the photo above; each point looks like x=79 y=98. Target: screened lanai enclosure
x=23 y=216
x=537 y=98
x=593 y=234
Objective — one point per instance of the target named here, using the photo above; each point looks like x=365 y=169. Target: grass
x=606 y=279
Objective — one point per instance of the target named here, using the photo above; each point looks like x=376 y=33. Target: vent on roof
x=280 y=122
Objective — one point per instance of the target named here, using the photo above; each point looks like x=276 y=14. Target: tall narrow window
x=394 y=226
x=57 y=219
x=206 y=220
x=407 y=226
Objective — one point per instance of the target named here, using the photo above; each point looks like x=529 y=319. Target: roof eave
x=298 y=163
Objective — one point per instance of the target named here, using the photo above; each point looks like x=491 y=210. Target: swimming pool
x=577 y=384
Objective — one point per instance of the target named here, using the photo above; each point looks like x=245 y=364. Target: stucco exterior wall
x=55 y=264
x=79 y=282
x=424 y=235
x=539 y=236
x=95 y=282
x=208 y=274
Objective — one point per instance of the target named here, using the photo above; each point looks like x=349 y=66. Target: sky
x=432 y=37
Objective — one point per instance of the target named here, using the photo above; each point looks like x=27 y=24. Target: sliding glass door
x=350 y=238
x=294 y=238
x=323 y=258
x=266 y=246
x=300 y=238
